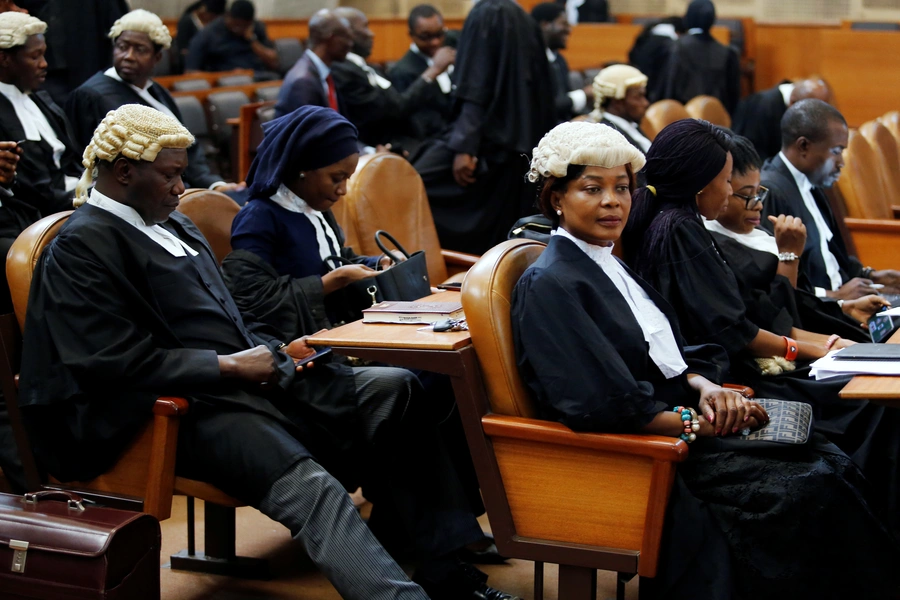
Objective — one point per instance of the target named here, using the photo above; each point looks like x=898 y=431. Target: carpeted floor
x=294 y=577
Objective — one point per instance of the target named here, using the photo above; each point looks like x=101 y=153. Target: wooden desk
x=879 y=388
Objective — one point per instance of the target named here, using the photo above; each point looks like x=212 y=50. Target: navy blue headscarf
x=701 y=14
x=307 y=139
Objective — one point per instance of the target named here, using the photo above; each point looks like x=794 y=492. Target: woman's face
x=714 y=197
x=736 y=217
x=595 y=205
x=323 y=187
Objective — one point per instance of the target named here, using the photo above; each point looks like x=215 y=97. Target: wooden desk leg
x=577 y=583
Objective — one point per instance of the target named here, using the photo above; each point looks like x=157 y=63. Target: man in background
x=234 y=41
x=551 y=18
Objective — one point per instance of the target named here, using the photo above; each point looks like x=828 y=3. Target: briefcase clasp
x=20 y=550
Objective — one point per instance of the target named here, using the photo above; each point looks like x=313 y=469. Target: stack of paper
x=827 y=367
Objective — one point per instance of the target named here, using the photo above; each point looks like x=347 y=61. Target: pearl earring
x=559 y=212
x=302 y=175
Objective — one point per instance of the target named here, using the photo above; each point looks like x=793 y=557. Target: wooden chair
x=660 y=114
x=249 y=134
x=585 y=501
x=144 y=477
x=212 y=212
x=708 y=108
x=891 y=120
x=387 y=193
x=888 y=154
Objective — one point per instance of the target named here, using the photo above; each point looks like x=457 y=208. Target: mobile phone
x=321 y=352
x=455 y=285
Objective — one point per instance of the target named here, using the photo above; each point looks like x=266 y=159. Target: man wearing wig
x=127 y=304
x=620 y=101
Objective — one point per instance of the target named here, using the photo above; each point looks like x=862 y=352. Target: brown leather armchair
x=708 y=108
x=144 y=477
x=387 y=193
x=660 y=114
x=586 y=501
x=212 y=212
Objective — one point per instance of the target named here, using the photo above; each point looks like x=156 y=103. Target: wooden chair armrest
x=462 y=259
x=233 y=121
x=170 y=406
x=873 y=225
x=745 y=391
x=653 y=446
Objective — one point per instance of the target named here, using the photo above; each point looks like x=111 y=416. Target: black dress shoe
x=488 y=555
x=460 y=582
x=489 y=593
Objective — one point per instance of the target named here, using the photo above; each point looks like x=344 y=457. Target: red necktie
x=332 y=94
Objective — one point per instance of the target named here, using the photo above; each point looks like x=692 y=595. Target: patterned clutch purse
x=789 y=423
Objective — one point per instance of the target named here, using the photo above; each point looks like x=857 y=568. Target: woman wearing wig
x=739 y=523
x=688 y=170
x=767 y=266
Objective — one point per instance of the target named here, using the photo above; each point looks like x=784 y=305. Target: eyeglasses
x=427 y=37
x=139 y=49
x=752 y=202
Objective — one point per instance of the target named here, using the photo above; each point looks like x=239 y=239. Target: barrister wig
x=16 y=27
x=134 y=131
x=683 y=159
x=143 y=21
x=582 y=143
x=613 y=83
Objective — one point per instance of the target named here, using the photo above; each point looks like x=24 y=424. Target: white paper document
x=827 y=367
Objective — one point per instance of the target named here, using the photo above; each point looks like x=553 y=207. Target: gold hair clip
x=652 y=189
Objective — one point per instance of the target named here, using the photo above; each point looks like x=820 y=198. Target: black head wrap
x=683 y=159
x=701 y=14
x=307 y=139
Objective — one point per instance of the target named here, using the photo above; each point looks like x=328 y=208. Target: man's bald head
x=811 y=88
x=329 y=36
x=363 y=38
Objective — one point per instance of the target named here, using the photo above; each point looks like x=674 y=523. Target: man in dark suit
x=551 y=18
x=138 y=40
x=309 y=82
x=758 y=116
x=49 y=165
x=814 y=135
x=429 y=35
x=233 y=41
x=370 y=101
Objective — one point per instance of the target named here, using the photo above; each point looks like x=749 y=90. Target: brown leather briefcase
x=65 y=550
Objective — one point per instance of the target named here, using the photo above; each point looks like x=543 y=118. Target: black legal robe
x=700 y=65
x=690 y=272
x=381 y=115
x=758 y=118
x=114 y=321
x=559 y=72
x=39 y=182
x=502 y=109
x=433 y=115
x=100 y=94
x=583 y=355
x=650 y=55
x=785 y=199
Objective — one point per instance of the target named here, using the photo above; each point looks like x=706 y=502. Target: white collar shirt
x=786 y=90
x=143 y=92
x=655 y=326
x=164 y=238
x=831 y=264
x=34 y=122
x=375 y=79
x=326 y=239
x=323 y=69
x=630 y=128
x=757 y=239
x=443 y=80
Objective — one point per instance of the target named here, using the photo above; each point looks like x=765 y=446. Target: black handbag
x=405 y=280
x=535 y=227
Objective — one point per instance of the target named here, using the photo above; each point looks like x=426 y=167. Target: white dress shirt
x=629 y=128
x=325 y=235
x=831 y=264
x=443 y=80
x=169 y=242
x=758 y=239
x=786 y=90
x=374 y=78
x=657 y=331
x=578 y=97
x=324 y=70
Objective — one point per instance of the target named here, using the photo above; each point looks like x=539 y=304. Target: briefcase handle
x=74 y=501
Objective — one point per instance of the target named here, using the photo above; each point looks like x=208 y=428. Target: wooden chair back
x=708 y=108
x=250 y=134
x=660 y=114
x=885 y=145
x=387 y=193
x=489 y=284
x=212 y=212
x=891 y=120
x=861 y=183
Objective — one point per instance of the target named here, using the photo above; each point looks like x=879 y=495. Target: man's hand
x=256 y=365
x=853 y=289
x=887 y=277
x=790 y=233
x=862 y=308
x=464 y=169
x=345 y=275
x=443 y=58
x=9 y=159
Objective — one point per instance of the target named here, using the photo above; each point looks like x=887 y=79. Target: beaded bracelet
x=690 y=421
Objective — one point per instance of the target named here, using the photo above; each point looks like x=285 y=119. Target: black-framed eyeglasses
x=427 y=37
x=752 y=202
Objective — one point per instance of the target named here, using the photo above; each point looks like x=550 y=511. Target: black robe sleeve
x=571 y=366
x=85 y=109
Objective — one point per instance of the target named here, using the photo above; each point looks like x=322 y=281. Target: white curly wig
x=135 y=131
x=142 y=21
x=582 y=143
x=613 y=82
x=16 y=27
